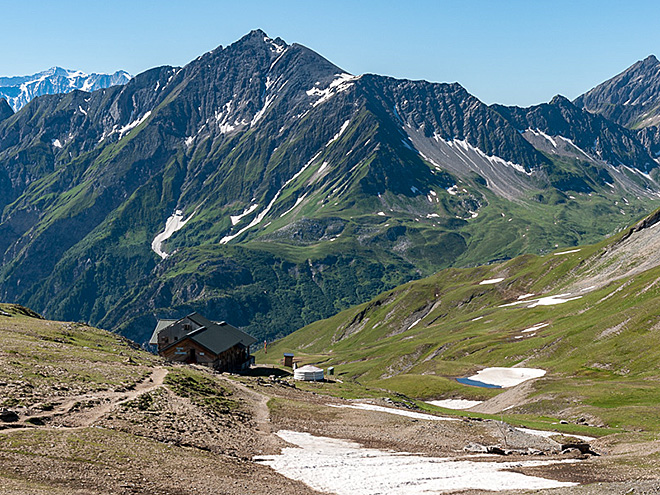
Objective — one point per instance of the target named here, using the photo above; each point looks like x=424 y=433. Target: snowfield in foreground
x=346 y=468
x=398 y=412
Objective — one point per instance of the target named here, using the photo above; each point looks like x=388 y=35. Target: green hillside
x=86 y=411
x=599 y=347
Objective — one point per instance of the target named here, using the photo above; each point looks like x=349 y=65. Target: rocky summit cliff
x=263 y=185
x=631 y=99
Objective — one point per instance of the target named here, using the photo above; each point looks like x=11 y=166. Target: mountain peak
x=651 y=60
x=258 y=37
x=260 y=33
x=560 y=100
x=642 y=67
x=631 y=98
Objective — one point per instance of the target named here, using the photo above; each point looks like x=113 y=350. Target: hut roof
x=216 y=337
x=159 y=326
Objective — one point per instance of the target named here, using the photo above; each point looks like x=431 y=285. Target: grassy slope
x=600 y=350
x=54 y=360
x=158 y=442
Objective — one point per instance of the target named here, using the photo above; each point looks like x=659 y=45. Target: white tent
x=308 y=373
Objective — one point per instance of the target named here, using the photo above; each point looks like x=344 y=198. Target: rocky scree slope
x=262 y=185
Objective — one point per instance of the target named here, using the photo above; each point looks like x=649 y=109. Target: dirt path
x=87 y=418
x=259 y=401
x=69 y=413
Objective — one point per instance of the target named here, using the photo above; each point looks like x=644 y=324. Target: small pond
x=476 y=383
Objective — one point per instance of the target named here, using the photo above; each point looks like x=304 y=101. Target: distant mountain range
x=19 y=90
x=262 y=185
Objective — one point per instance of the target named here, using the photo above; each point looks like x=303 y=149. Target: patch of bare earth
x=625 y=465
x=150 y=439
x=144 y=441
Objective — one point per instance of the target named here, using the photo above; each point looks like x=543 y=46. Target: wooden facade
x=196 y=340
x=189 y=352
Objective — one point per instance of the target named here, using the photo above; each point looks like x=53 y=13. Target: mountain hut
x=194 y=339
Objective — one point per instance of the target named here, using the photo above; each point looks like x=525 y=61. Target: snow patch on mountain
x=237 y=218
x=507 y=377
x=430 y=160
x=558 y=144
x=132 y=125
x=338 y=135
x=274 y=46
x=544 y=135
x=298 y=201
x=544 y=301
x=257 y=220
x=173 y=223
x=456 y=156
x=496 y=160
x=260 y=113
x=341 y=83
x=331 y=465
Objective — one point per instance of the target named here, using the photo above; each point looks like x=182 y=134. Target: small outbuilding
x=197 y=340
x=288 y=359
x=308 y=373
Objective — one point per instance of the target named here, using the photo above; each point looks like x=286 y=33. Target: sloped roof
x=216 y=337
x=159 y=326
x=308 y=368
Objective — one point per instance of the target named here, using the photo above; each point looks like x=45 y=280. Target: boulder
x=583 y=447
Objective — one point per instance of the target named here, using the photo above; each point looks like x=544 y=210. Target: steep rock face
x=449 y=112
x=5 y=109
x=631 y=99
x=20 y=90
x=650 y=138
x=594 y=135
x=263 y=185
x=453 y=131
x=57 y=128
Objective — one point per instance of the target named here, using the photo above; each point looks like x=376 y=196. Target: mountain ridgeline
x=19 y=90
x=263 y=185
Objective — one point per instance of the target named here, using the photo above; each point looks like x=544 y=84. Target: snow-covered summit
x=19 y=90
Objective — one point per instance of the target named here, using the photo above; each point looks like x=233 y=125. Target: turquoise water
x=476 y=383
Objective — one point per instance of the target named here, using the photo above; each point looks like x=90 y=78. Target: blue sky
x=512 y=52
